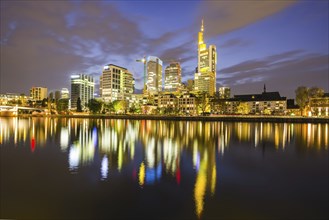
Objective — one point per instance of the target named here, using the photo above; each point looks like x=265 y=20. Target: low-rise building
x=320 y=106
x=167 y=101
x=38 y=93
x=187 y=104
x=264 y=103
x=13 y=99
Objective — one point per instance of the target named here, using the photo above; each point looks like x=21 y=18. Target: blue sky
x=283 y=44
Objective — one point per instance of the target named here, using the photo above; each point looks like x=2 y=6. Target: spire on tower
x=264 y=88
x=202 y=25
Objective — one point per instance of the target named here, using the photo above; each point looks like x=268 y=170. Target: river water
x=61 y=168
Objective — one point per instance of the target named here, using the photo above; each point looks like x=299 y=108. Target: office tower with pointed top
x=205 y=75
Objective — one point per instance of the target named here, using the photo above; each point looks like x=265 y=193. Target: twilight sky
x=283 y=44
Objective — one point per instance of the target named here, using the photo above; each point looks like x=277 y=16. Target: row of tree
x=304 y=95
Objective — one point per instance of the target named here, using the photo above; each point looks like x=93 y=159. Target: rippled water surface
x=100 y=168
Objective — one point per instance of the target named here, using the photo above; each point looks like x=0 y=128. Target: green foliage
x=44 y=102
x=135 y=108
x=243 y=108
x=120 y=106
x=108 y=107
x=95 y=106
x=315 y=92
x=203 y=103
x=267 y=111
x=302 y=96
x=62 y=105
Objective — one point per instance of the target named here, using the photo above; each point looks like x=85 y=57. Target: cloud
x=42 y=43
x=287 y=70
x=225 y=16
x=235 y=42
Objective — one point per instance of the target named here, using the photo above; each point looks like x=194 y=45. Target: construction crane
x=143 y=60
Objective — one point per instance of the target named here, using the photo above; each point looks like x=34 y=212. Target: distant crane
x=143 y=60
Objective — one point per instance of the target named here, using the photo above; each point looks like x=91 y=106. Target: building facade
x=319 y=106
x=264 y=103
x=154 y=75
x=187 y=104
x=116 y=83
x=173 y=77
x=205 y=75
x=224 y=92
x=38 y=93
x=167 y=101
x=13 y=99
x=65 y=94
x=82 y=86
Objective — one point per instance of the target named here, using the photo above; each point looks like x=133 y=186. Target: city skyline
x=43 y=43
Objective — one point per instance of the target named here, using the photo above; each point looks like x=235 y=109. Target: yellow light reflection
x=200 y=189
x=141 y=174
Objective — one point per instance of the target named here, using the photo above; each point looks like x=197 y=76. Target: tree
x=79 y=107
x=303 y=95
x=267 y=111
x=315 y=92
x=203 y=103
x=62 y=105
x=243 y=108
x=108 y=107
x=120 y=106
x=95 y=106
x=135 y=108
x=44 y=102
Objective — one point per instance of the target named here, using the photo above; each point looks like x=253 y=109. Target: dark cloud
x=234 y=43
x=225 y=16
x=286 y=71
x=182 y=53
x=42 y=43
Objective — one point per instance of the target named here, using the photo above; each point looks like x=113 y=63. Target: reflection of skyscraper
x=154 y=74
x=82 y=86
x=205 y=76
x=173 y=77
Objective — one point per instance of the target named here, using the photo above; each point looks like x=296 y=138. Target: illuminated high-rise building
x=82 y=86
x=173 y=77
x=116 y=83
x=65 y=94
x=154 y=75
x=38 y=93
x=224 y=92
x=205 y=75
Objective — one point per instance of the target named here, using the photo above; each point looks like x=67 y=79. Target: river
x=70 y=168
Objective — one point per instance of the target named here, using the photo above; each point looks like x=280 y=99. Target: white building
x=83 y=87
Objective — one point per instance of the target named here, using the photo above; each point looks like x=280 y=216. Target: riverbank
x=231 y=118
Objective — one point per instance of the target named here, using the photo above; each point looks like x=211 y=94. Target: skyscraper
x=82 y=86
x=224 y=92
x=205 y=75
x=116 y=83
x=65 y=93
x=154 y=75
x=173 y=77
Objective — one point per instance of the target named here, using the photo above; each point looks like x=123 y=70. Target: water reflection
x=151 y=149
